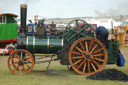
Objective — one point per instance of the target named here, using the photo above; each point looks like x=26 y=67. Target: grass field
x=56 y=75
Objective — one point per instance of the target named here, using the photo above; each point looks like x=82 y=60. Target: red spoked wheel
x=87 y=56
x=20 y=62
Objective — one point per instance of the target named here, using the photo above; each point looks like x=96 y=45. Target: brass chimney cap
x=23 y=5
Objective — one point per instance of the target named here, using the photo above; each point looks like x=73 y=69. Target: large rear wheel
x=87 y=56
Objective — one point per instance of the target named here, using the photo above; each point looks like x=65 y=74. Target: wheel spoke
x=16 y=68
x=99 y=59
x=90 y=45
x=25 y=57
x=27 y=65
x=24 y=68
x=84 y=67
x=20 y=70
x=17 y=56
x=21 y=56
x=72 y=37
x=28 y=61
x=14 y=60
x=71 y=29
x=86 y=46
x=77 y=27
x=94 y=48
x=88 y=67
x=28 y=58
x=14 y=63
x=78 y=36
x=97 y=64
x=84 y=35
x=93 y=66
x=81 y=64
x=76 y=53
x=77 y=62
x=97 y=55
x=77 y=57
x=97 y=50
x=83 y=28
x=79 y=49
x=82 y=46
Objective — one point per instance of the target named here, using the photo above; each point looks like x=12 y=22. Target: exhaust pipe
x=23 y=16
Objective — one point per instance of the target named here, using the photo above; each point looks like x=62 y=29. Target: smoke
x=99 y=14
x=109 y=12
x=120 y=10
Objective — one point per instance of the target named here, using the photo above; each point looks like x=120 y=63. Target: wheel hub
x=78 y=32
x=20 y=62
x=87 y=56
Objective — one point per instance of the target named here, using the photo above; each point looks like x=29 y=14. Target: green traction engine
x=76 y=47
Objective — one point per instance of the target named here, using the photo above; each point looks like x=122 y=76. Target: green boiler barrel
x=44 y=45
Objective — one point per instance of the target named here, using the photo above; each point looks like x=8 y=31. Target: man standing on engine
x=102 y=34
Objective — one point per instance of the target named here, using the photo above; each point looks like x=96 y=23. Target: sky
x=67 y=8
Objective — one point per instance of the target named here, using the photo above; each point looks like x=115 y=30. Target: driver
x=102 y=34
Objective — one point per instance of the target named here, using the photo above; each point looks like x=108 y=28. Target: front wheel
x=20 y=62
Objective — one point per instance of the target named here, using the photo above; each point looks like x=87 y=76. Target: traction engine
x=76 y=47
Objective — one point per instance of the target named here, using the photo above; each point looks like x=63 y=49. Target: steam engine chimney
x=23 y=10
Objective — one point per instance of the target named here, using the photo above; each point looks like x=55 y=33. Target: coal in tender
x=109 y=74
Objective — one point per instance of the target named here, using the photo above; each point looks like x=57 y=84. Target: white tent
x=103 y=22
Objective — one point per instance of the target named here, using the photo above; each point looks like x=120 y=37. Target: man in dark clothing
x=102 y=34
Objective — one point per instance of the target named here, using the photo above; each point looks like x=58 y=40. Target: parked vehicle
x=8 y=30
x=76 y=47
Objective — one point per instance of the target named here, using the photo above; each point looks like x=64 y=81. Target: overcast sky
x=66 y=8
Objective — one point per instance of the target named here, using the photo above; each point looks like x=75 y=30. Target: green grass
x=56 y=75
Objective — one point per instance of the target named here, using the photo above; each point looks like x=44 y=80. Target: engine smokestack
x=23 y=16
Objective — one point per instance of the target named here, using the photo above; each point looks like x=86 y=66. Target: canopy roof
x=11 y=14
